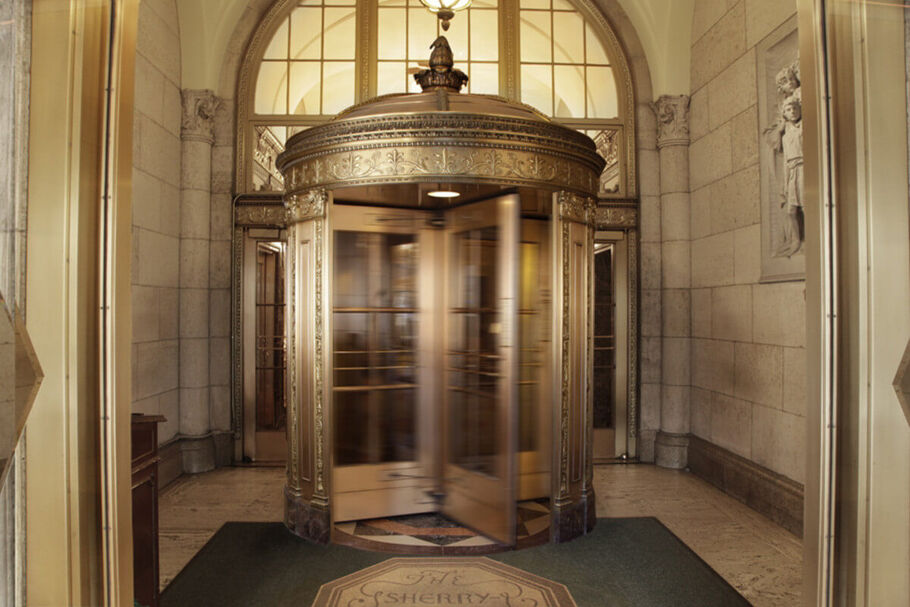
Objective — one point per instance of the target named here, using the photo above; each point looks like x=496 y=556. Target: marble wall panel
x=220 y=397
x=144 y=313
x=146 y=201
x=698 y=114
x=676 y=313
x=712 y=261
x=700 y=306
x=711 y=157
x=700 y=212
x=194 y=263
x=650 y=359
x=763 y=16
x=759 y=374
x=675 y=361
x=747 y=254
x=779 y=441
x=156 y=368
x=731 y=424
x=722 y=43
x=779 y=313
x=747 y=356
x=732 y=91
x=794 y=399
x=731 y=313
x=650 y=406
x=700 y=402
x=744 y=133
x=194 y=312
x=735 y=200
x=713 y=365
x=157 y=260
x=675 y=265
x=705 y=14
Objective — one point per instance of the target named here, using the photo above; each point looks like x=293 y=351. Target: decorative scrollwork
x=306 y=205
x=573 y=207
x=261 y=215
x=606 y=217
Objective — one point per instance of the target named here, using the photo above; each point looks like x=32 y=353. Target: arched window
x=309 y=59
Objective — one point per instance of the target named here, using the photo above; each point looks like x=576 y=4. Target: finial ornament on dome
x=441 y=73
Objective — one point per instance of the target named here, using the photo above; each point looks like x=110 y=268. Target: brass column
x=573 y=506
x=306 y=493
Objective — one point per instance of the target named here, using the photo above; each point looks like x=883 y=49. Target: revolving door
x=439 y=344
x=439 y=352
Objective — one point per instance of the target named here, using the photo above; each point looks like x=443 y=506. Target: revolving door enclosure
x=439 y=355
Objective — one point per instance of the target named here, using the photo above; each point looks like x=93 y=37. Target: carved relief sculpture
x=785 y=137
x=780 y=132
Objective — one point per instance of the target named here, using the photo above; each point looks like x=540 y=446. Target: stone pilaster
x=197 y=137
x=671 y=445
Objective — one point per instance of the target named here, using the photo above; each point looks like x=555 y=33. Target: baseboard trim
x=767 y=492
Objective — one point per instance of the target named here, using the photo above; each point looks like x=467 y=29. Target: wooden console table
x=145 y=508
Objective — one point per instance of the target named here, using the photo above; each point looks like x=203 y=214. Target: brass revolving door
x=439 y=352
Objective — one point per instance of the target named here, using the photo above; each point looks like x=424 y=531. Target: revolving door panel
x=481 y=366
x=381 y=466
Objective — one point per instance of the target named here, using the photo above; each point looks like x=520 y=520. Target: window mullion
x=509 y=50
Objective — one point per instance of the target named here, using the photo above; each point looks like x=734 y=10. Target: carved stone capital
x=197 y=122
x=306 y=205
x=573 y=207
x=672 y=120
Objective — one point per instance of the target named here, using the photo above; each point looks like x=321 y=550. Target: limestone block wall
x=748 y=362
x=156 y=216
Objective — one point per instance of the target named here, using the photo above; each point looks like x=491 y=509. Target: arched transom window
x=310 y=59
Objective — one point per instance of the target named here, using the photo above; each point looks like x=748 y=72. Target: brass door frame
x=251 y=238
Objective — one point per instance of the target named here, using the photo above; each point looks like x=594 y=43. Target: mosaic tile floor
x=433 y=531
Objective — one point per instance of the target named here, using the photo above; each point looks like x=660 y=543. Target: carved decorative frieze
x=606 y=217
x=260 y=215
x=197 y=122
x=477 y=148
x=672 y=120
x=573 y=207
x=306 y=205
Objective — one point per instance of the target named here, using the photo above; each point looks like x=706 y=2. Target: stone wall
x=156 y=216
x=747 y=356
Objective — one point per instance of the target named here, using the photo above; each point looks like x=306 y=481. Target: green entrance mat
x=623 y=562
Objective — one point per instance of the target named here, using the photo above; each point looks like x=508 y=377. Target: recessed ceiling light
x=443 y=194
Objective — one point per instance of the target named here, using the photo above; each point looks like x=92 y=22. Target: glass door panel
x=263 y=343
x=481 y=365
x=377 y=468
x=534 y=407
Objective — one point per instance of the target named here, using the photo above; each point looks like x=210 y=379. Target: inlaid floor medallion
x=443 y=581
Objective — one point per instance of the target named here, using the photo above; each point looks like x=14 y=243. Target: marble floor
x=760 y=559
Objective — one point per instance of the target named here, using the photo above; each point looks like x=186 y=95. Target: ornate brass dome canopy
x=441 y=136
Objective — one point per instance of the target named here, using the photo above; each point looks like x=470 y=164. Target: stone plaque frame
x=778 y=50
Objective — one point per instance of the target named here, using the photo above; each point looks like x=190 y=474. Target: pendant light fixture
x=445 y=9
